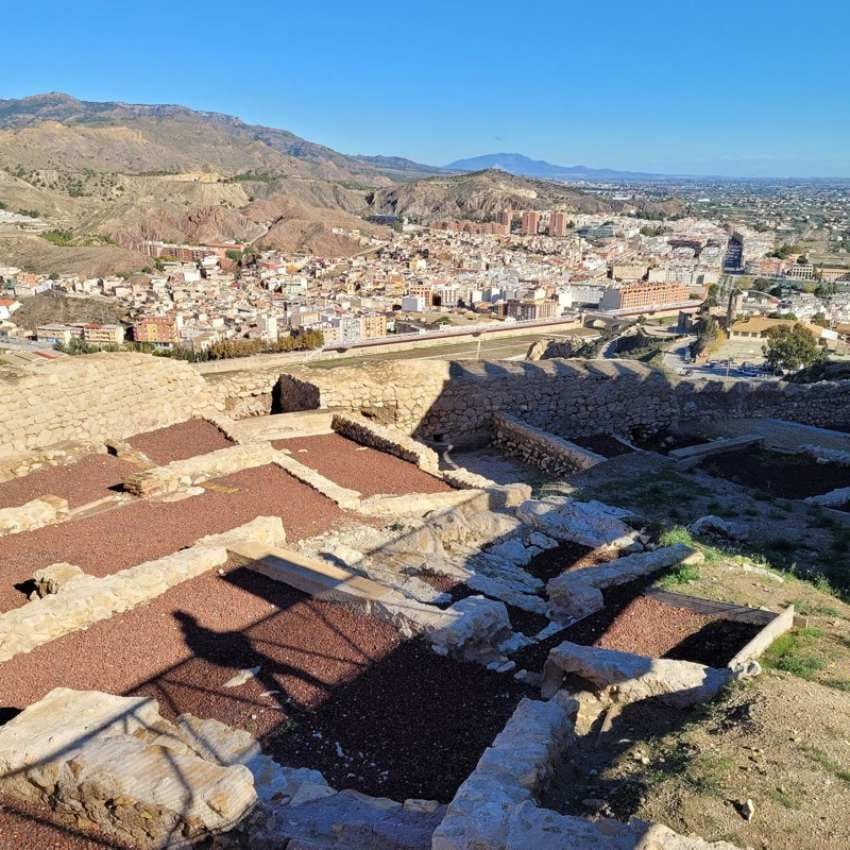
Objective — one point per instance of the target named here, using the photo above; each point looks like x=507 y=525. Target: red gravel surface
x=177 y=442
x=651 y=627
x=336 y=691
x=28 y=827
x=88 y=479
x=141 y=531
x=632 y=622
x=360 y=468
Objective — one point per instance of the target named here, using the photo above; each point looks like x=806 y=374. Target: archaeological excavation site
x=421 y=605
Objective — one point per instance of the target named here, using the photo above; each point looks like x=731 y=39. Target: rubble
x=592 y=523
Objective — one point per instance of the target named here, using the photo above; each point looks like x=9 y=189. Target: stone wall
x=183 y=474
x=95 y=397
x=386 y=439
x=539 y=448
x=244 y=392
x=455 y=401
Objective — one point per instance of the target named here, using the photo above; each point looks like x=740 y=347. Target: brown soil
x=566 y=556
x=177 y=442
x=789 y=476
x=602 y=444
x=408 y=722
x=141 y=531
x=360 y=468
x=88 y=479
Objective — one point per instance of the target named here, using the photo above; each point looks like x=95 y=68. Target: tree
x=791 y=348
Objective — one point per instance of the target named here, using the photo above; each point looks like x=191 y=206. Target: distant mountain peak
x=524 y=166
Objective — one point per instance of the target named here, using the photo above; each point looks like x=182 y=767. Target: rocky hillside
x=59 y=132
x=480 y=196
x=112 y=174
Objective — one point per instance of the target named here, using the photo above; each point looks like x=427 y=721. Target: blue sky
x=735 y=88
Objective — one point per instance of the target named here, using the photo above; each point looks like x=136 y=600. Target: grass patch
x=681 y=575
x=784 y=798
x=654 y=495
x=795 y=653
x=678 y=535
x=709 y=773
x=820 y=758
x=61 y=238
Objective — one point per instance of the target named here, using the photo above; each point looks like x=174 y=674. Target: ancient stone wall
x=539 y=448
x=455 y=401
x=244 y=392
x=95 y=397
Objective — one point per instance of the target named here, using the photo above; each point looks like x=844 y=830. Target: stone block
x=115 y=764
x=627 y=677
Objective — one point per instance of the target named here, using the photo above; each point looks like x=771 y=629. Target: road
x=506 y=348
x=678 y=357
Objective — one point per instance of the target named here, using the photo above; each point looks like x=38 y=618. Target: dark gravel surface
x=602 y=444
x=360 y=468
x=88 y=479
x=665 y=441
x=789 y=476
x=526 y=622
x=407 y=722
x=177 y=442
x=566 y=556
x=141 y=531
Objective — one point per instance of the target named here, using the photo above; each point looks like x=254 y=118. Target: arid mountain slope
x=56 y=131
x=480 y=195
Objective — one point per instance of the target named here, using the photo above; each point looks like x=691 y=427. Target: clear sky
x=750 y=87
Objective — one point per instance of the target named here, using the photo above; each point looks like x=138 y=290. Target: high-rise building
x=558 y=224
x=530 y=223
x=506 y=216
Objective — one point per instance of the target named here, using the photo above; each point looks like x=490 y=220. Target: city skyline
x=674 y=92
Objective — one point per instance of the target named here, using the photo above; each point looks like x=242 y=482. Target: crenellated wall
x=456 y=400
x=95 y=397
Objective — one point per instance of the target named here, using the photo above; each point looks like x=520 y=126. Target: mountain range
x=109 y=175
x=516 y=163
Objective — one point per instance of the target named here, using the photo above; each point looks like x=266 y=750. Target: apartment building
x=651 y=296
x=530 y=223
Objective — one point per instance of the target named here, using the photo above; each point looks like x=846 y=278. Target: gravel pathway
x=141 y=531
x=177 y=442
x=88 y=479
x=359 y=467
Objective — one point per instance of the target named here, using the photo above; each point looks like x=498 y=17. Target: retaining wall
x=96 y=397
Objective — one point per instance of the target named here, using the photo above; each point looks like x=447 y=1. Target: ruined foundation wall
x=95 y=397
x=571 y=398
x=244 y=392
